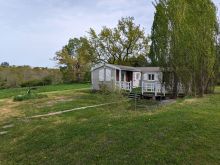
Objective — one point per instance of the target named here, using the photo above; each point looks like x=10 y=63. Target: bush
x=137 y=90
x=45 y=81
x=28 y=97
x=103 y=88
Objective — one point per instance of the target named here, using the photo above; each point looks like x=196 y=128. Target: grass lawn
x=7 y=93
x=185 y=132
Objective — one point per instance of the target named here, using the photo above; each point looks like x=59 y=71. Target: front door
x=123 y=76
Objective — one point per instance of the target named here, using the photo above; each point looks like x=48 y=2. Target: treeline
x=184 y=43
x=25 y=76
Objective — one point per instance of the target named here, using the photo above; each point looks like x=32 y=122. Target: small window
x=151 y=77
x=105 y=75
x=101 y=75
x=108 y=75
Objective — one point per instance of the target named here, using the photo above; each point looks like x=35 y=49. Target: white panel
x=101 y=75
x=108 y=75
x=156 y=76
x=145 y=76
x=137 y=76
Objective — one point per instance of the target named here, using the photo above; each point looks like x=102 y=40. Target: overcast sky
x=31 y=31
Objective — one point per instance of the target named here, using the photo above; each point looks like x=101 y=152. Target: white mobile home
x=127 y=78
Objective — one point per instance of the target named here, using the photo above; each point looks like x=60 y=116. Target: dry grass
x=8 y=110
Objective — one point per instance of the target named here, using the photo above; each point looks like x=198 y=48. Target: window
x=108 y=75
x=151 y=77
x=122 y=76
x=105 y=75
x=101 y=75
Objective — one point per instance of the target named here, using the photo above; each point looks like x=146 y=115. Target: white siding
x=101 y=75
x=145 y=77
x=108 y=75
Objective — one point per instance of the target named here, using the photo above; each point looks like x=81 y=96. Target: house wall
x=108 y=78
x=157 y=77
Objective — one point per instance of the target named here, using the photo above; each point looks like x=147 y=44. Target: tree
x=5 y=64
x=184 y=43
x=75 y=59
x=159 y=36
x=121 y=44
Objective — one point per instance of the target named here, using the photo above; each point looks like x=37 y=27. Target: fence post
x=142 y=86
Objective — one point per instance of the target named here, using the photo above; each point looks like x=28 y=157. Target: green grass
x=7 y=93
x=186 y=132
x=67 y=100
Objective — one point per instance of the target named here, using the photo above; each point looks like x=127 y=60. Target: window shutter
x=108 y=75
x=101 y=75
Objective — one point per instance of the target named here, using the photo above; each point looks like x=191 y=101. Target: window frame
x=151 y=77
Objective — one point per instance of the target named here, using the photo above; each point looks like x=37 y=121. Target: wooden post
x=155 y=89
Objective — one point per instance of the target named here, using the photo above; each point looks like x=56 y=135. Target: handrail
x=124 y=85
x=155 y=88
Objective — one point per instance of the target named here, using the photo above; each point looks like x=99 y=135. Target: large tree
x=123 y=44
x=184 y=41
x=75 y=59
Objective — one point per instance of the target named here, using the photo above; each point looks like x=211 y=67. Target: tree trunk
x=175 y=86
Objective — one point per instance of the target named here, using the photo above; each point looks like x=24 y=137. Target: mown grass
x=66 y=100
x=186 y=132
x=7 y=93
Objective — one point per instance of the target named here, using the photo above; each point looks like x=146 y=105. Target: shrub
x=28 y=97
x=45 y=81
x=104 y=89
x=137 y=90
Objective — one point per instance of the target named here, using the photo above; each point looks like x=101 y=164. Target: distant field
x=6 y=93
x=185 y=132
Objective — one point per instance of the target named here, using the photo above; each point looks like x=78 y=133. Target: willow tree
x=189 y=49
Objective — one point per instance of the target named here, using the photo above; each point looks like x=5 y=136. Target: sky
x=31 y=31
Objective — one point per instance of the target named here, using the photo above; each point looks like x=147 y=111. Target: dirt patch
x=8 y=109
x=53 y=99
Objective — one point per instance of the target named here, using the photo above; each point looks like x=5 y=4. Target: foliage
x=45 y=81
x=17 y=76
x=29 y=96
x=137 y=90
x=5 y=64
x=75 y=59
x=184 y=43
x=124 y=44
